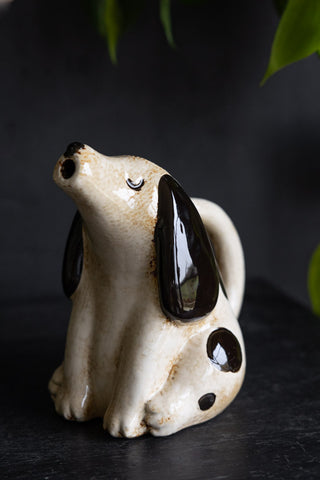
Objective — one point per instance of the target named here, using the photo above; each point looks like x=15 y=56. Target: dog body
x=132 y=355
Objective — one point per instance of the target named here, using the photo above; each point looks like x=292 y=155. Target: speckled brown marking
x=164 y=420
x=85 y=157
x=193 y=329
x=173 y=371
x=143 y=423
x=173 y=365
x=152 y=270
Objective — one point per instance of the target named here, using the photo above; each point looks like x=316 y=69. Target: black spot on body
x=206 y=401
x=73 y=257
x=73 y=148
x=224 y=350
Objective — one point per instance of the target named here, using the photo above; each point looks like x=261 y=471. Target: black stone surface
x=271 y=431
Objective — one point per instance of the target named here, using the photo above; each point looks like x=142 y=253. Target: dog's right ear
x=188 y=278
x=73 y=257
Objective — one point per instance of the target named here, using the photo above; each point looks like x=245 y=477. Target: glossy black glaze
x=73 y=257
x=206 y=401
x=73 y=148
x=223 y=288
x=224 y=350
x=68 y=168
x=135 y=186
x=187 y=275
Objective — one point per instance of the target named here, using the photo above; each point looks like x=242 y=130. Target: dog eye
x=135 y=186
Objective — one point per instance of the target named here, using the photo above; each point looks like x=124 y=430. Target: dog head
x=134 y=201
x=116 y=193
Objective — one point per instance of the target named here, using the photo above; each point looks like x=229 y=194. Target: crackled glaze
x=134 y=355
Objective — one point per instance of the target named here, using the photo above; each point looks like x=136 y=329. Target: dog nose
x=73 y=148
x=68 y=167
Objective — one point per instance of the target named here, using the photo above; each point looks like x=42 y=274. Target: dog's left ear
x=73 y=257
x=187 y=274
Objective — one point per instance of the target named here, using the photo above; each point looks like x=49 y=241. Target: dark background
x=198 y=112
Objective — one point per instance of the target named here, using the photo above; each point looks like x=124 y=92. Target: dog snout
x=73 y=148
x=68 y=164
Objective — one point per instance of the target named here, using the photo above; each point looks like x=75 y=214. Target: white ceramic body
x=124 y=360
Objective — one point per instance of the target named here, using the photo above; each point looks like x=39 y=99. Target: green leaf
x=110 y=25
x=165 y=17
x=314 y=280
x=112 y=18
x=297 y=36
x=107 y=17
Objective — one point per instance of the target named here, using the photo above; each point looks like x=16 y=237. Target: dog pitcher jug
x=156 y=280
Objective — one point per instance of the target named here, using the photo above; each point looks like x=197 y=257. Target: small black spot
x=73 y=148
x=224 y=350
x=135 y=186
x=206 y=401
x=68 y=168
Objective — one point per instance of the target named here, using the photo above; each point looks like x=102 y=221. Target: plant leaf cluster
x=112 y=18
x=297 y=36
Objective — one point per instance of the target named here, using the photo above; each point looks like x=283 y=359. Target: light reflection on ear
x=186 y=274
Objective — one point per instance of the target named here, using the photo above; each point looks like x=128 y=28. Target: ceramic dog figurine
x=153 y=343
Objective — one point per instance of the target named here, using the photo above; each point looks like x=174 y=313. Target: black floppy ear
x=73 y=257
x=187 y=274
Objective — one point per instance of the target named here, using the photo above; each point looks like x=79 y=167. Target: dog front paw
x=123 y=423
x=56 y=381
x=160 y=420
x=72 y=402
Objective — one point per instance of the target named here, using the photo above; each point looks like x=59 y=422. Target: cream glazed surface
x=132 y=356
